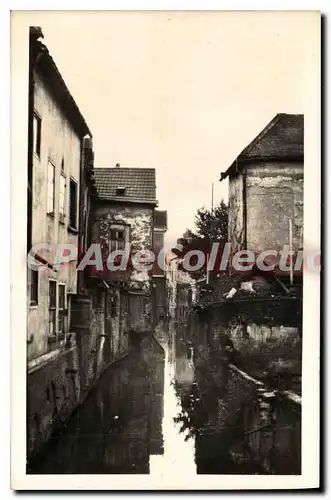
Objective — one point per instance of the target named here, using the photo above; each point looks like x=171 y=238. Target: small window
x=62 y=197
x=117 y=238
x=62 y=309
x=34 y=288
x=36 y=134
x=51 y=188
x=73 y=204
x=52 y=308
x=120 y=191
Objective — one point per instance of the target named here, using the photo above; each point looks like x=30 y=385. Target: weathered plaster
x=140 y=220
x=236 y=214
x=274 y=193
x=58 y=141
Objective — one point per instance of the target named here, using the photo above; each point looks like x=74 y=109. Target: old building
x=257 y=314
x=59 y=157
x=56 y=141
x=122 y=222
x=266 y=188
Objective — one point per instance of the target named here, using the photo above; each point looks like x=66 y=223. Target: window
x=36 y=134
x=120 y=191
x=52 y=308
x=62 y=197
x=73 y=205
x=51 y=188
x=57 y=310
x=62 y=309
x=119 y=235
x=34 y=288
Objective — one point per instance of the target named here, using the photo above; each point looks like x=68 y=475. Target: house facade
x=122 y=224
x=56 y=141
x=60 y=162
x=266 y=188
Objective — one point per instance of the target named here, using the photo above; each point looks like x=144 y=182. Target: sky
x=181 y=92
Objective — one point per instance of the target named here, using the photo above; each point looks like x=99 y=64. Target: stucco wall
x=274 y=193
x=58 y=142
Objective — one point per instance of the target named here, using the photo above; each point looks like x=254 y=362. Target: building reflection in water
x=119 y=425
x=155 y=412
x=178 y=446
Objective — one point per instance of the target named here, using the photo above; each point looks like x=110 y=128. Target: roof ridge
x=257 y=140
x=48 y=59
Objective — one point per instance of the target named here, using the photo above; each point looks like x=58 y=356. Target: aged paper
x=165 y=250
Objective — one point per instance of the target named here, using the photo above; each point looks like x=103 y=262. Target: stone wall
x=59 y=381
x=139 y=218
x=241 y=423
x=53 y=391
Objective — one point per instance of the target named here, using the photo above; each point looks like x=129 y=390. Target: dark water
x=148 y=414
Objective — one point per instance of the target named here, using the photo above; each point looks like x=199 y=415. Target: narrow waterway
x=146 y=415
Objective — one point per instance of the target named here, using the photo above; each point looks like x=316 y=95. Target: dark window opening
x=61 y=309
x=52 y=308
x=36 y=134
x=34 y=288
x=117 y=237
x=73 y=205
x=120 y=191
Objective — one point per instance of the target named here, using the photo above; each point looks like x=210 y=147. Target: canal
x=150 y=413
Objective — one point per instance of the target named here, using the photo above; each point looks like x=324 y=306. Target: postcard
x=165 y=250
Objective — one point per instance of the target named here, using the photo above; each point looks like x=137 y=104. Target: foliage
x=210 y=224
x=211 y=227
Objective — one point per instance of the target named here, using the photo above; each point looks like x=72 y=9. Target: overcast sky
x=182 y=92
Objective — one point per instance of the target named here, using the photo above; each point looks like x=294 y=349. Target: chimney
x=118 y=165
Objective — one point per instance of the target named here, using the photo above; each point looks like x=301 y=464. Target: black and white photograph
x=169 y=259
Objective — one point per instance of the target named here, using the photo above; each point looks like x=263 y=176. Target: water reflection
x=119 y=425
x=151 y=413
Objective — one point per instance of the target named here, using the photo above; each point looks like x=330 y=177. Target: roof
x=281 y=139
x=45 y=66
x=139 y=184
x=160 y=220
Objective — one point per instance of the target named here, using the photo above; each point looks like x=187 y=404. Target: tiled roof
x=52 y=77
x=282 y=138
x=139 y=184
